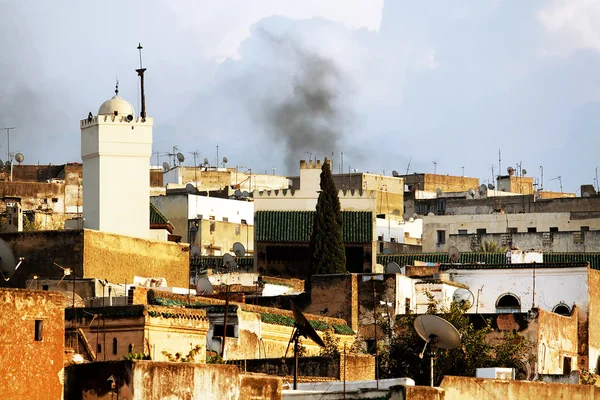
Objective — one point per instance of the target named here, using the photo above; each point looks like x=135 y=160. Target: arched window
x=508 y=303
x=115 y=345
x=562 y=309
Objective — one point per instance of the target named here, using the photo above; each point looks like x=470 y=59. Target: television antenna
x=203 y=286
x=408 y=166
x=301 y=328
x=437 y=333
x=435 y=163
x=8 y=263
x=239 y=250
x=393 y=268
x=453 y=254
x=463 y=295
x=559 y=181
x=8 y=140
x=19 y=157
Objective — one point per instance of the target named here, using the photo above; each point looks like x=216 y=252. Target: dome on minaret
x=118 y=105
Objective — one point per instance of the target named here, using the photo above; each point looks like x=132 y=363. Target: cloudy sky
x=274 y=81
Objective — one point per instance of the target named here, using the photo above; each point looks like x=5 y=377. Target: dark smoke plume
x=306 y=113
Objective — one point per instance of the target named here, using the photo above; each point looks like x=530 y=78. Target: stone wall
x=41 y=249
x=31 y=369
x=557 y=340
x=573 y=242
x=120 y=258
x=338 y=295
x=148 y=380
x=463 y=388
x=359 y=367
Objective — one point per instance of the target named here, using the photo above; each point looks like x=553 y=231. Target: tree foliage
x=490 y=247
x=332 y=344
x=400 y=355
x=328 y=255
x=178 y=357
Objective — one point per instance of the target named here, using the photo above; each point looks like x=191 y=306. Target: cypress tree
x=328 y=255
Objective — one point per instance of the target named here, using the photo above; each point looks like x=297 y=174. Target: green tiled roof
x=296 y=226
x=156 y=217
x=486 y=258
x=217 y=261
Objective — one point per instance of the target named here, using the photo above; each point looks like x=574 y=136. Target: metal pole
x=104 y=335
x=431 y=366
x=344 y=370
x=225 y=321
x=296 y=351
x=597 y=185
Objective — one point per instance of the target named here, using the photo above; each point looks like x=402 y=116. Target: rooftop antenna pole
x=140 y=72
x=499 y=160
x=342 y=168
x=435 y=167
x=493 y=176
x=217 y=157
x=597 y=186
x=8 y=139
x=408 y=166
x=542 y=179
x=463 y=170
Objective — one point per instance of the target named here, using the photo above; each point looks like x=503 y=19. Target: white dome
x=122 y=107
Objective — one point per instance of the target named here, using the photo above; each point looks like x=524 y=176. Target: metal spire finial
x=117 y=87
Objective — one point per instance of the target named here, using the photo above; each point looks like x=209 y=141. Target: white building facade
x=115 y=148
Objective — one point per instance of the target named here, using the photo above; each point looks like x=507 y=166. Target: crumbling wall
x=31 y=369
x=557 y=340
x=464 y=388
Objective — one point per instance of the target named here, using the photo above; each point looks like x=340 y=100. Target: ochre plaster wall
x=31 y=369
x=120 y=258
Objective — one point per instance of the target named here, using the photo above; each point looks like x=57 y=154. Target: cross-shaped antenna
x=66 y=272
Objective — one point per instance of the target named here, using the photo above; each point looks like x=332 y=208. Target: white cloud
x=571 y=25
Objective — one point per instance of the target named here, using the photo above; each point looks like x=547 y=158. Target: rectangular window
x=532 y=229
x=553 y=229
x=211 y=217
x=244 y=222
x=238 y=230
x=512 y=230
x=463 y=232
x=218 y=331
x=406 y=305
x=225 y=219
x=585 y=229
x=39 y=330
x=481 y=231
x=441 y=237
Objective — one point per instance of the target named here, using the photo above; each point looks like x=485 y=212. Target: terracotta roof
x=296 y=226
x=485 y=258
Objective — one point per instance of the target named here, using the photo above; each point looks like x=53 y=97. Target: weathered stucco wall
x=463 y=388
x=147 y=380
x=120 y=258
x=31 y=369
x=557 y=339
x=41 y=249
x=338 y=294
x=594 y=319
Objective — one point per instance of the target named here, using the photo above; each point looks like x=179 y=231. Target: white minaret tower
x=116 y=146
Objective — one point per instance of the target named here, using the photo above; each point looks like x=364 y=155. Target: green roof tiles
x=296 y=226
x=156 y=217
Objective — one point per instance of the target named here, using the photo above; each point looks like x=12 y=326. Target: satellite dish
x=438 y=191
x=245 y=193
x=180 y=157
x=7 y=164
x=8 y=263
x=482 y=190
x=395 y=173
x=238 y=193
x=490 y=186
x=437 y=331
x=206 y=161
x=453 y=254
x=195 y=251
x=510 y=170
x=524 y=171
x=301 y=328
x=386 y=251
x=239 y=250
x=463 y=295
x=166 y=166
x=19 y=157
x=585 y=194
x=225 y=160
x=471 y=192
x=393 y=268
x=203 y=286
x=229 y=261
x=1 y=164
x=190 y=188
